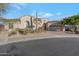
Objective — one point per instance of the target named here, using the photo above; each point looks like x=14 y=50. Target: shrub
x=40 y=30
x=22 y=31
x=30 y=30
x=12 y=33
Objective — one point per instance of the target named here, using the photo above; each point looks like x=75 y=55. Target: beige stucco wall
x=23 y=22
x=6 y=27
x=40 y=24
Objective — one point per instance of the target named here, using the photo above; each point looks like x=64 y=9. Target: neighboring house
x=69 y=27
x=9 y=23
x=54 y=26
x=1 y=27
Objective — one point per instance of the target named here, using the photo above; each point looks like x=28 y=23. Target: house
x=54 y=26
x=30 y=21
x=1 y=27
x=25 y=22
x=69 y=27
x=9 y=23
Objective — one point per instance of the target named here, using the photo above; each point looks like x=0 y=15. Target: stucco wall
x=23 y=22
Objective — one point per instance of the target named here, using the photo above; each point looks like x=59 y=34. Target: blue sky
x=52 y=11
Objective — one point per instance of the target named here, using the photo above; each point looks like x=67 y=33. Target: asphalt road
x=43 y=47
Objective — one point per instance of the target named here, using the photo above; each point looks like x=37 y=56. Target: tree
x=73 y=20
x=3 y=7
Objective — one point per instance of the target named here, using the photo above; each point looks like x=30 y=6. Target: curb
x=29 y=39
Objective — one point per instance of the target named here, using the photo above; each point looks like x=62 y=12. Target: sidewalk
x=34 y=36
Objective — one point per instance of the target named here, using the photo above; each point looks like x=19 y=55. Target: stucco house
x=24 y=22
x=1 y=26
x=54 y=26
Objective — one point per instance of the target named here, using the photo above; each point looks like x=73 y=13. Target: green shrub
x=22 y=31
x=12 y=33
x=40 y=30
x=30 y=30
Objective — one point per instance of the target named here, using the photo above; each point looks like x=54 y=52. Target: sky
x=52 y=11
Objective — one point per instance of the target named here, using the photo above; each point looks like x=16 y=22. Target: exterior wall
x=23 y=22
x=40 y=23
x=6 y=27
x=54 y=26
x=17 y=25
x=1 y=27
x=26 y=21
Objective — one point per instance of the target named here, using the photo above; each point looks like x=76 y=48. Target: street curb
x=29 y=39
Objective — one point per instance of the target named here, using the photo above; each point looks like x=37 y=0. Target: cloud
x=22 y=4
x=59 y=13
x=47 y=15
x=42 y=14
x=18 y=6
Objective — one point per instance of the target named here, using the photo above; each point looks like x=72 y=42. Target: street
x=43 y=47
